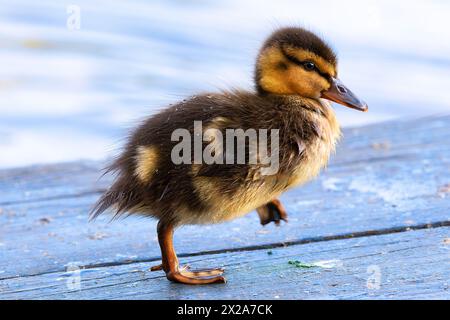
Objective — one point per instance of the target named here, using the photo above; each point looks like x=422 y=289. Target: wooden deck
x=374 y=225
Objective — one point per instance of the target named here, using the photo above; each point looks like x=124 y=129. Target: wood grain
x=384 y=179
x=409 y=265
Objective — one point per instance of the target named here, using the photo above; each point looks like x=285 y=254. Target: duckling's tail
x=106 y=201
x=119 y=197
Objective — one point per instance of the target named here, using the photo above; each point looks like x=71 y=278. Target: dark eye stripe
x=293 y=59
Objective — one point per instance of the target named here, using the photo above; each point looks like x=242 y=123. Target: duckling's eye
x=309 y=66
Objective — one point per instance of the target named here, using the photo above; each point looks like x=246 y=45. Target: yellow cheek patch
x=305 y=55
x=273 y=78
x=146 y=162
x=305 y=83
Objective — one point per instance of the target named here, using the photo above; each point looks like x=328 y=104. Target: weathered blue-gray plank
x=385 y=178
x=408 y=265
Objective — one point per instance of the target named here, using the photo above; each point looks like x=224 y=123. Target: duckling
x=295 y=77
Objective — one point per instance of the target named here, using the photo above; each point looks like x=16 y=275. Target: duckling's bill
x=339 y=93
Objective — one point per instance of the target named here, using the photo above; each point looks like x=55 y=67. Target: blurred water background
x=69 y=94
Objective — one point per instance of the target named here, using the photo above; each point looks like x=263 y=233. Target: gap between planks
x=343 y=236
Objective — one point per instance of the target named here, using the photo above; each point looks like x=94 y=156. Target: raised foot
x=272 y=211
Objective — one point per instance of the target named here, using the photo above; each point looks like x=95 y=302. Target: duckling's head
x=295 y=61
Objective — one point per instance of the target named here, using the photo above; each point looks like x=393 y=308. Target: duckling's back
x=148 y=182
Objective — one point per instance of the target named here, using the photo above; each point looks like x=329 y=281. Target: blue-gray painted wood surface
x=384 y=178
x=408 y=265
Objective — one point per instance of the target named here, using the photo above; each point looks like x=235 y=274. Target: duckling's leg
x=170 y=261
x=272 y=211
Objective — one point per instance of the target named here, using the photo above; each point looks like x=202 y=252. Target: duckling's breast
x=318 y=148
